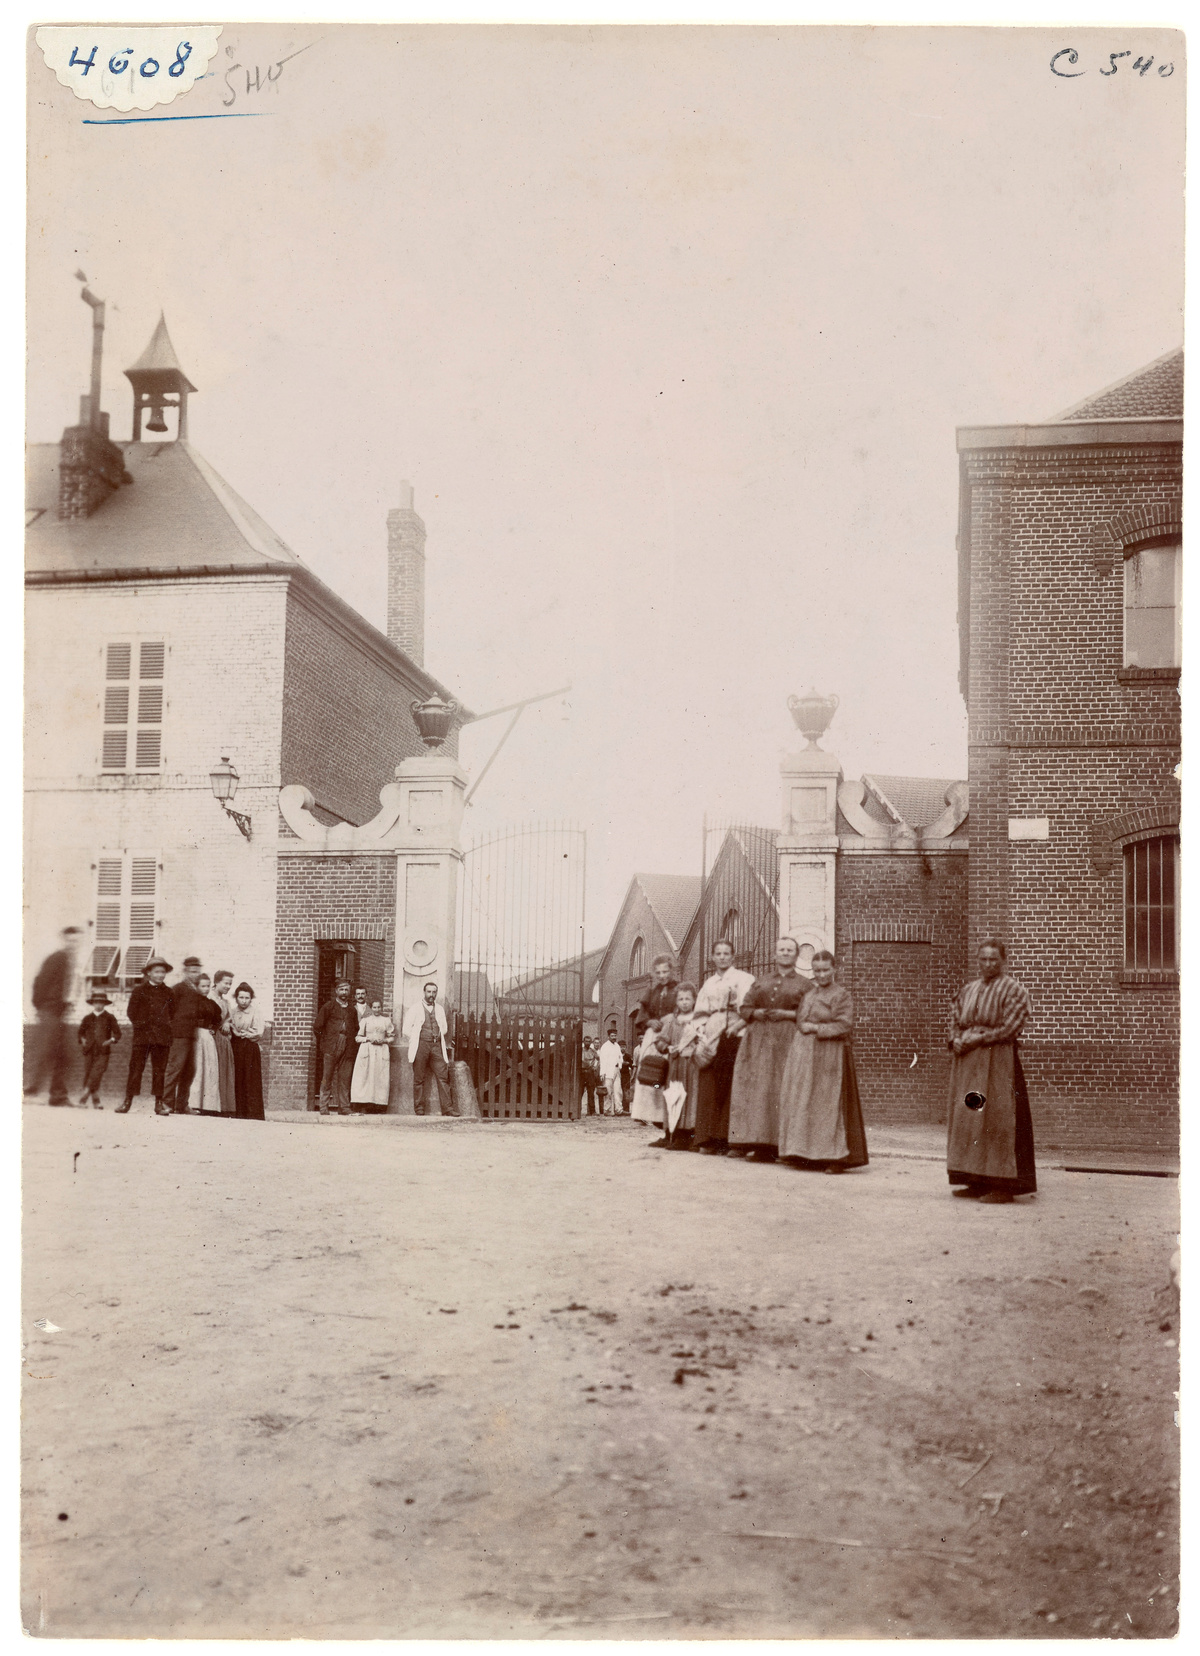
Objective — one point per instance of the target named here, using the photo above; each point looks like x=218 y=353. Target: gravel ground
x=488 y=1380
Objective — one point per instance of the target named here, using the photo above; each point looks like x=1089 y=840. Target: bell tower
x=158 y=383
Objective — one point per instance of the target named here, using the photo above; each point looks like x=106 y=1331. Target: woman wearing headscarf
x=718 y=1003
x=820 y=1117
x=989 y=1142
x=769 y=1009
x=245 y=1032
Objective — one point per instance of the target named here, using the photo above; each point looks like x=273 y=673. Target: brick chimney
x=406 y=577
x=91 y=466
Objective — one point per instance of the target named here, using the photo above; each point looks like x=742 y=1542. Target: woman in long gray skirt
x=820 y=1117
x=769 y=1009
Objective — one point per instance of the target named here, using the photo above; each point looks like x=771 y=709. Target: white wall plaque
x=1029 y=828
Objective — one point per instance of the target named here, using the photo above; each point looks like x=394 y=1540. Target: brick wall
x=347 y=714
x=1058 y=731
x=323 y=897
x=901 y=929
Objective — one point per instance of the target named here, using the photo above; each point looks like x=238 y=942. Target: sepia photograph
x=602 y=642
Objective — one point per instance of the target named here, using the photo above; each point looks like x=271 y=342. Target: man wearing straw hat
x=150 y=1012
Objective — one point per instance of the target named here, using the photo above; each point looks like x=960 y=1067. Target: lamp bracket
x=243 y=822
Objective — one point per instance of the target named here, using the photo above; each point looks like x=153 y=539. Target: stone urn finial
x=433 y=719
x=812 y=715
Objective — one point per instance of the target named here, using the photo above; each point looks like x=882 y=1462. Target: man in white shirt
x=425 y=1031
x=610 y=1074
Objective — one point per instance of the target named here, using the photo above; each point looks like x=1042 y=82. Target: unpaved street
x=376 y=1378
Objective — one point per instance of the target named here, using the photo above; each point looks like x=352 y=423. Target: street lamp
x=224 y=781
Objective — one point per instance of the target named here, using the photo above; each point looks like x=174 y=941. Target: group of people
x=354 y=1037
x=200 y=1035
x=763 y=1068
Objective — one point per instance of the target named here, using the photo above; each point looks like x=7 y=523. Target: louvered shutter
x=109 y=905
x=143 y=890
x=118 y=661
x=151 y=666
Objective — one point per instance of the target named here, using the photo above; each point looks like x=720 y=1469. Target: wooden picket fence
x=524 y=1068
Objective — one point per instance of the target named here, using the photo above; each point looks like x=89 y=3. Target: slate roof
x=917 y=800
x=674 y=899
x=1154 y=392
x=176 y=514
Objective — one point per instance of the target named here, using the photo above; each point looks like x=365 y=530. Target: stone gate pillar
x=419 y=823
x=431 y=790
x=808 y=844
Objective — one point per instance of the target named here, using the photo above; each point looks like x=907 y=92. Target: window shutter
x=151 y=665
x=126 y=912
x=143 y=890
x=118 y=660
x=109 y=889
x=133 y=706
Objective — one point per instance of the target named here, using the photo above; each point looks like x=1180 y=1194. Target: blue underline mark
x=133 y=120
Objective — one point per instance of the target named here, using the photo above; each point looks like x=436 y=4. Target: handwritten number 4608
x=1072 y=56
x=148 y=68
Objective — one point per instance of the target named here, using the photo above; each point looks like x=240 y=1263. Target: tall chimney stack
x=406 y=577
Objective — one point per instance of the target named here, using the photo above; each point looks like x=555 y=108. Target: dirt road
x=371 y=1378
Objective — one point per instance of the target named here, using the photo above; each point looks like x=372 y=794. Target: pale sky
x=670 y=329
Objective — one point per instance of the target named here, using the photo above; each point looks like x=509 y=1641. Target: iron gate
x=519 y=978
x=740 y=873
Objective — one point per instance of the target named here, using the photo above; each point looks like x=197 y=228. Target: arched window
x=1152 y=582
x=637 y=958
x=731 y=928
x=1151 y=916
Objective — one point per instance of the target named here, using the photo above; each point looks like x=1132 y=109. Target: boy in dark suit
x=98 y=1034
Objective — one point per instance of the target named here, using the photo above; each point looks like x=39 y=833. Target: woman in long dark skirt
x=245 y=1029
x=989 y=1146
x=718 y=1002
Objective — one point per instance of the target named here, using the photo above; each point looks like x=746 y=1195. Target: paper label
x=123 y=68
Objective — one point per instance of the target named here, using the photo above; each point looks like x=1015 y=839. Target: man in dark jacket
x=53 y=989
x=659 y=999
x=335 y=1027
x=189 y=1010
x=151 y=1010
x=98 y=1034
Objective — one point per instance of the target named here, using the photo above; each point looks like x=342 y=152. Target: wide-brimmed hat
x=98 y=996
x=157 y=960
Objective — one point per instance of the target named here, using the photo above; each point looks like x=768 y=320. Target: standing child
x=98 y=1034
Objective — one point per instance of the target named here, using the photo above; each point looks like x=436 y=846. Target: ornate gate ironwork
x=740 y=870
x=519 y=980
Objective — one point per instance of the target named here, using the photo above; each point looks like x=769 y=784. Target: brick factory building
x=167 y=628
x=1069 y=568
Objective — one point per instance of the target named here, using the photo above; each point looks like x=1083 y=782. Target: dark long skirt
x=247 y=1079
x=991 y=1148
x=712 y=1095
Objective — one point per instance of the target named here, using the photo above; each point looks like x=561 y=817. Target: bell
x=156 y=421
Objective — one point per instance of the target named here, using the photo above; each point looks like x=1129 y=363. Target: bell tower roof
x=157 y=369
x=159 y=383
